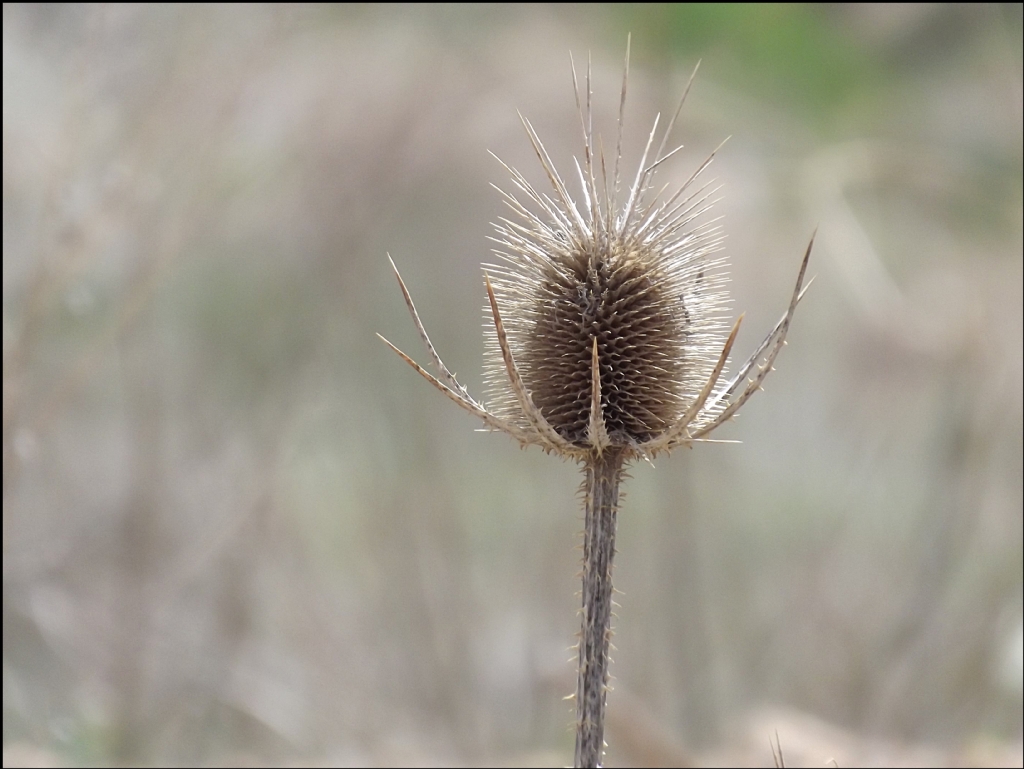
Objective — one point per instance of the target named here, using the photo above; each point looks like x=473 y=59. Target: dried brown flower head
x=607 y=323
x=606 y=344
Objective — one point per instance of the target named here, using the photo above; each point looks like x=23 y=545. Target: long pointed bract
x=755 y=384
x=530 y=411
x=489 y=419
x=678 y=435
x=597 y=433
x=443 y=371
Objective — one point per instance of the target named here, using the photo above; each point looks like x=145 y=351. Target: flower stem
x=603 y=474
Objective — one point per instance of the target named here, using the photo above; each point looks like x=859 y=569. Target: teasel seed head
x=639 y=281
x=606 y=314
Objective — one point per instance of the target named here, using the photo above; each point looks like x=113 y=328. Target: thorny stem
x=601 y=486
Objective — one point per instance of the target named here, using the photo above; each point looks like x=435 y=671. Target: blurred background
x=238 y=530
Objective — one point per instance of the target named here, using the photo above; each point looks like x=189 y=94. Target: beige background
x=238 y=530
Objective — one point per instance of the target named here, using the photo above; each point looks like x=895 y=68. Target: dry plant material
x=607 y=344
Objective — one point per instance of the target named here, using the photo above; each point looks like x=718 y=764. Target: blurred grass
x=236 y=530
x=795 y=56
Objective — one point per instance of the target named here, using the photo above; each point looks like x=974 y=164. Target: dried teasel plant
x=605 y=345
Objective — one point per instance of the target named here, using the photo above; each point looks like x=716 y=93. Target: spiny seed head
x=640 y=278
x=605 y=321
